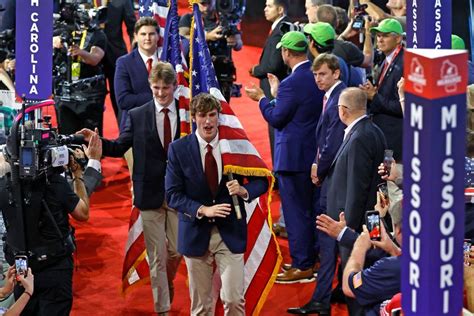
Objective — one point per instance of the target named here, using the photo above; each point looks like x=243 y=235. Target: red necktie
x=166 y=130
x=210 y=169
x=149 y=62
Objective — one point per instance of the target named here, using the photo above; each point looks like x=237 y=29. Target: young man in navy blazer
x=149 y=129
x=209 y=230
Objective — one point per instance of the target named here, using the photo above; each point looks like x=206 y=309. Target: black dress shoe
x=337 y=296
x=311 y=308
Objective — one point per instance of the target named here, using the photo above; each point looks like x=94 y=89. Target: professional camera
x=230 y=15
x=286 y=27
x=359 y=14
x=7 y=44
x=35 y=146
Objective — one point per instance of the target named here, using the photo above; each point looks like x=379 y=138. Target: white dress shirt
x=348 y=129
x=160 y=116
x=155 y=56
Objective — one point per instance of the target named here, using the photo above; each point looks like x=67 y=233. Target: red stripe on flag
x=243 y=160
x=254 y=227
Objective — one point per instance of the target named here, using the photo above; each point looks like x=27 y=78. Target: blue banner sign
x=433 y=203
x=428 y=24
x=34 y=48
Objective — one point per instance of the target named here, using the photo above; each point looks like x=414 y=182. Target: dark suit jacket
x=187 y=190
x=118 y=11
x=329 y=133
x=294 y=115
x=149 y=158
x=271 y=60
x=386 y=110
x=353 y=178
x=131 y=83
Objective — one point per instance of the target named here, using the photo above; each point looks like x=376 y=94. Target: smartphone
x=372 y=221
x=387 y=160
x=21 y=265
x=382 y=187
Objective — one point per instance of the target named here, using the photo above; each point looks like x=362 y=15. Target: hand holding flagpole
x=235 y=200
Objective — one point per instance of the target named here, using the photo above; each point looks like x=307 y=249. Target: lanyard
x=387 y=65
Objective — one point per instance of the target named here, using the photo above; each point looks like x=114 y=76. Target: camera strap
x=76 y=66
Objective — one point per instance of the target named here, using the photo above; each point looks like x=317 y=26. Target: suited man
x=384 y=104
x=294 y=114
x=131 y=76
x=329 y=136
x=208 y=228
x=149 y=130
x=271 y=62
x=118 y=11
x=352 y=177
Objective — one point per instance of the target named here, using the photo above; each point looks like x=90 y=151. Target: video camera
x=76 y=16
x=36 y=148
x=7 y=44
x=230 y=15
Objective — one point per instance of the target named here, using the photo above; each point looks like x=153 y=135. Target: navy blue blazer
x=353 y=178
x=131 y=83
x=294 y=114
x=329 y=133
x=149 y=157
x=187 y=190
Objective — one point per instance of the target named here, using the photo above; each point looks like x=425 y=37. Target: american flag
x=135 y=268
x=157 y=9
x=239 y=156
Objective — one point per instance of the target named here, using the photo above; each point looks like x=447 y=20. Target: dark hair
x=146 y=21
x=327 y=13
x=342 y=20
x=162 y=71
x=204 y=103
x=282 y=3
x=329 y=59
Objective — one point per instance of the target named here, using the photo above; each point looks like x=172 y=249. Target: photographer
x=222 y=36
x=78 y=51
x=12 y=278
x=36 y=212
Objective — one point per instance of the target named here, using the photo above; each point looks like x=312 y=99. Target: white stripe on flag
x=182 y=91
x=230 y=121
x=250 y=208
x=257 y=254
x=183 y=115
x=134 y=277
x=159 y=10
x=237 y=146
x=134 y=232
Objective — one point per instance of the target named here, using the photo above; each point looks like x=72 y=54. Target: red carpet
x=101 y=241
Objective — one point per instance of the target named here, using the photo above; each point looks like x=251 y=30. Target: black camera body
x=230 y=14
x=359 y=15
x=38 y=150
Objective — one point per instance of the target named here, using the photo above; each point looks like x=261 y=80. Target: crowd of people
x=332 y=93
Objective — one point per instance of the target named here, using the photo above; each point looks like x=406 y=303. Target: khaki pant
x=160 y=229
x=231 y=270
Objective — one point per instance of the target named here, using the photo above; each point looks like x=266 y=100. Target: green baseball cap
x=457 y=42
x=388 y=26
x=321 y=32
x=293 y=40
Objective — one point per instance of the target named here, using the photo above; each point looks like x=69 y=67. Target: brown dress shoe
x=294 y=275
x=286 y=266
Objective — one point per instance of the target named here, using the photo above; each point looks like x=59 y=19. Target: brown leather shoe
x=286 y=266
x=294 y=275
x=279 y=230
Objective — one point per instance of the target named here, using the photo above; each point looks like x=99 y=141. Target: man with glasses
x=384 y=102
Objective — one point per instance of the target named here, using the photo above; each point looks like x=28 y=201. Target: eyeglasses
x=341 y=105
